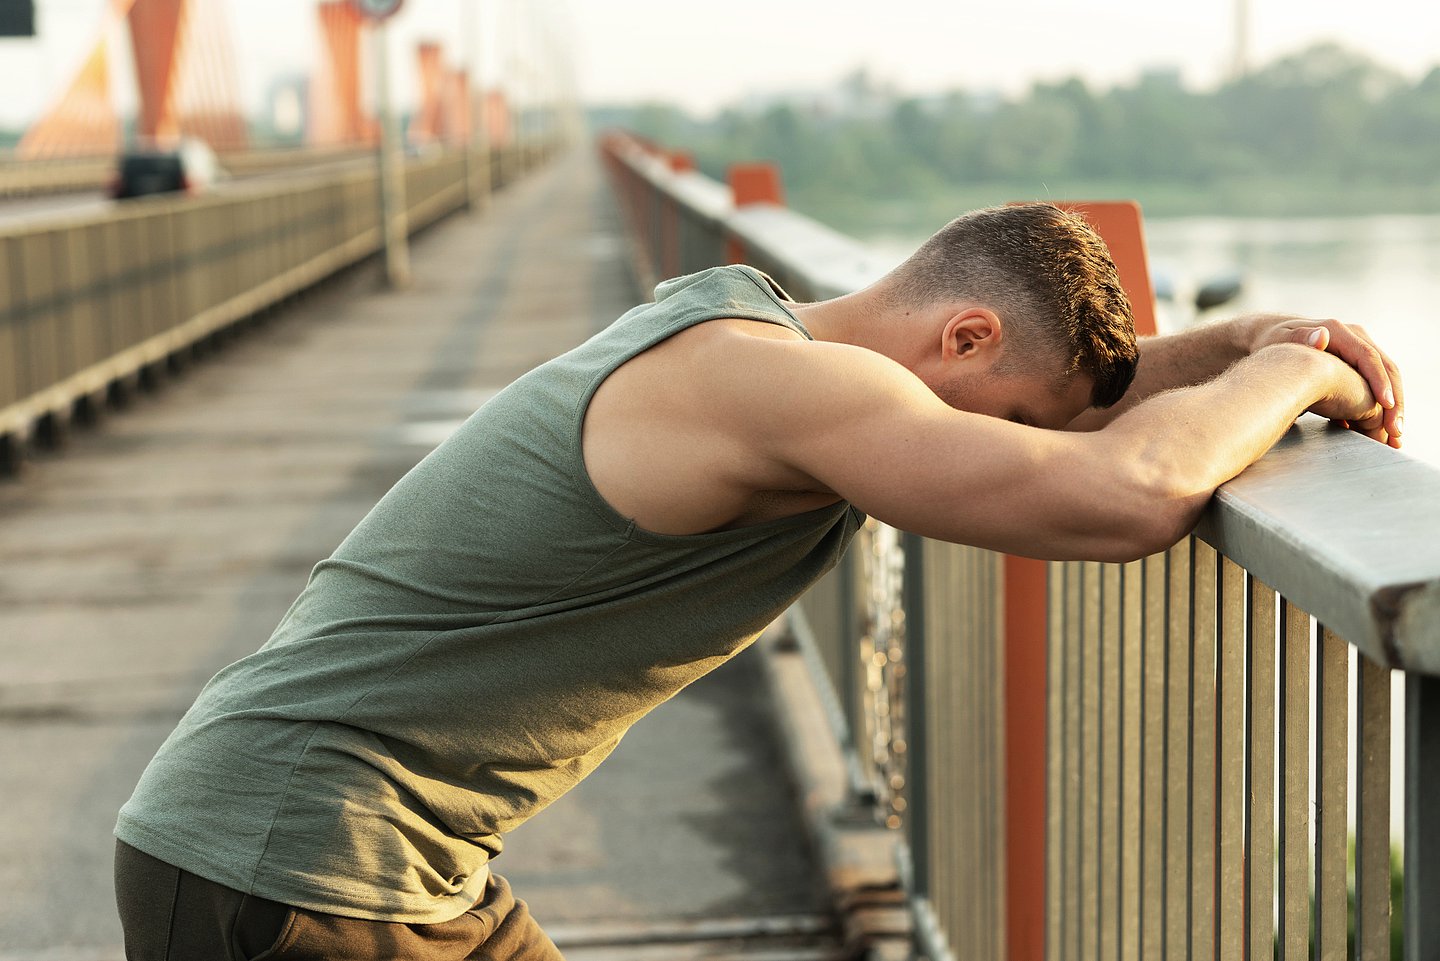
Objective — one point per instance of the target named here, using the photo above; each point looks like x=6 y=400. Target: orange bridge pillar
x=1119 y=224
x=335 y=116
x=155 y=31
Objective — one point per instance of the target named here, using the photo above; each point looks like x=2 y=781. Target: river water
x=1381 y=272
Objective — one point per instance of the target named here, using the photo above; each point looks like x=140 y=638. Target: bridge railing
x=20 y=178
x=1182 y=700
x=89 y=301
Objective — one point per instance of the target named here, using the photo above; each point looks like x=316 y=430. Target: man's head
x=1027 y=302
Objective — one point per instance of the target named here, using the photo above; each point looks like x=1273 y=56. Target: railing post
x=860 y=797
x=752 y=183
x=1372 y=812
x=1332 y=710
x=1422 y=833
x=1025 y=704
x=916 y=698
x=679 y=162
x=1119 y=224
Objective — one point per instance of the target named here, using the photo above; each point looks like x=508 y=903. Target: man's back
x=475 y=647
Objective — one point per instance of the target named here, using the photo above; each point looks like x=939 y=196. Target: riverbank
x=879 y=208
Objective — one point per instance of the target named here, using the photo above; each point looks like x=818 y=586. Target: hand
x=1352 y=344
x=1348 y=399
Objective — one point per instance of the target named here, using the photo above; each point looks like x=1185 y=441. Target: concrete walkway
x=169 y=542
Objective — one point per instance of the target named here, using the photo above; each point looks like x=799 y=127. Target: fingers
x=1395 y=411
x=1371 y=426
x=1371 y=423
x=1374 y=421
x=1395 y=416
x=1376 y=433
x=1354 y=345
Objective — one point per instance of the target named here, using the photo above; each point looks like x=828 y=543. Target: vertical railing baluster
x=950 y=899
x=1090 y=766
x=1177 y=754
x=942 y=669
x=1108 y=834
x=1152 y=784
x=1132 y=722
x=975 y=725
x=1074 y=779
x=979 y=683
x=998 y=798
x=848 y=645
x=1332 y=708
x=1260 y=773
x=964 y=670
x=917 y=721
x=1054 y=757
x=954 y=658
x=995 y=755
x=1294 y=915
x=1422 y=834
x=1372 y=813
x=1229 y=897
x=1202 y=755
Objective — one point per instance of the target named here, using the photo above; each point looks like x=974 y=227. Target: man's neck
x=860 y=320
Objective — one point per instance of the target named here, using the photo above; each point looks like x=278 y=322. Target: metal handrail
x=1346 y=528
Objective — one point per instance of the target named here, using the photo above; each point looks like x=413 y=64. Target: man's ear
x=973 y=333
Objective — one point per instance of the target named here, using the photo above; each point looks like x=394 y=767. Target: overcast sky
x=704 y=55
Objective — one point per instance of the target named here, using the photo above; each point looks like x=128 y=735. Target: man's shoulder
x=754 y=354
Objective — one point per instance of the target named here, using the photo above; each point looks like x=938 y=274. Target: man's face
x=1020 y=394
x=980 y=369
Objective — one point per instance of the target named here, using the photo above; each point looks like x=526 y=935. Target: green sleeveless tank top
x=475 y=647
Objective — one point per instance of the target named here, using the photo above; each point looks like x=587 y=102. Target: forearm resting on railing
x=1189 y=441
x=1194 y=356
x=1181 y=359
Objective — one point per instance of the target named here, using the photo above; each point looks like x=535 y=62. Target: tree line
x=1326 y=129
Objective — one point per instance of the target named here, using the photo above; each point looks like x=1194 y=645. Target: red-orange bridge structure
x=188 y=83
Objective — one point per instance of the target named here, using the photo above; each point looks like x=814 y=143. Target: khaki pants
x=172 y=915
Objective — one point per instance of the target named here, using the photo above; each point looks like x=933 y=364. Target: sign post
x=17 y=18
x=393 y=226
x=474 y=196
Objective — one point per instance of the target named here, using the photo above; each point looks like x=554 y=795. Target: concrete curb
x=856 y=854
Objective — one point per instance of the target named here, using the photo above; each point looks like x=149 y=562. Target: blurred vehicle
x=189 y=166
x=1187 y=299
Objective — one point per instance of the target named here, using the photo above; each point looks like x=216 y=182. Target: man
x=624 y=518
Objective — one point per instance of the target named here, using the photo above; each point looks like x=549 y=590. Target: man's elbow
x=1153 y=512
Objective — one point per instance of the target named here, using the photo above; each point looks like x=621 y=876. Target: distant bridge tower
x=427 y=124
x=335 y=113
x=444 y=114
x=185 y=71
x=189 y=84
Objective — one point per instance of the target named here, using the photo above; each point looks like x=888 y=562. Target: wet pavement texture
x=168 y=542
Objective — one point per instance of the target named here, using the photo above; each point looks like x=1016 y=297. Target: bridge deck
x=169 y=542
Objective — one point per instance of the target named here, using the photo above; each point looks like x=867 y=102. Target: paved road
x=169 y=542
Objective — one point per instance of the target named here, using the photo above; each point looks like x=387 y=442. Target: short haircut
x=1049 y=277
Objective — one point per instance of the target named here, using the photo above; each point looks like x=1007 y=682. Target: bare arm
x=865 y=428
x=1196 y=355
